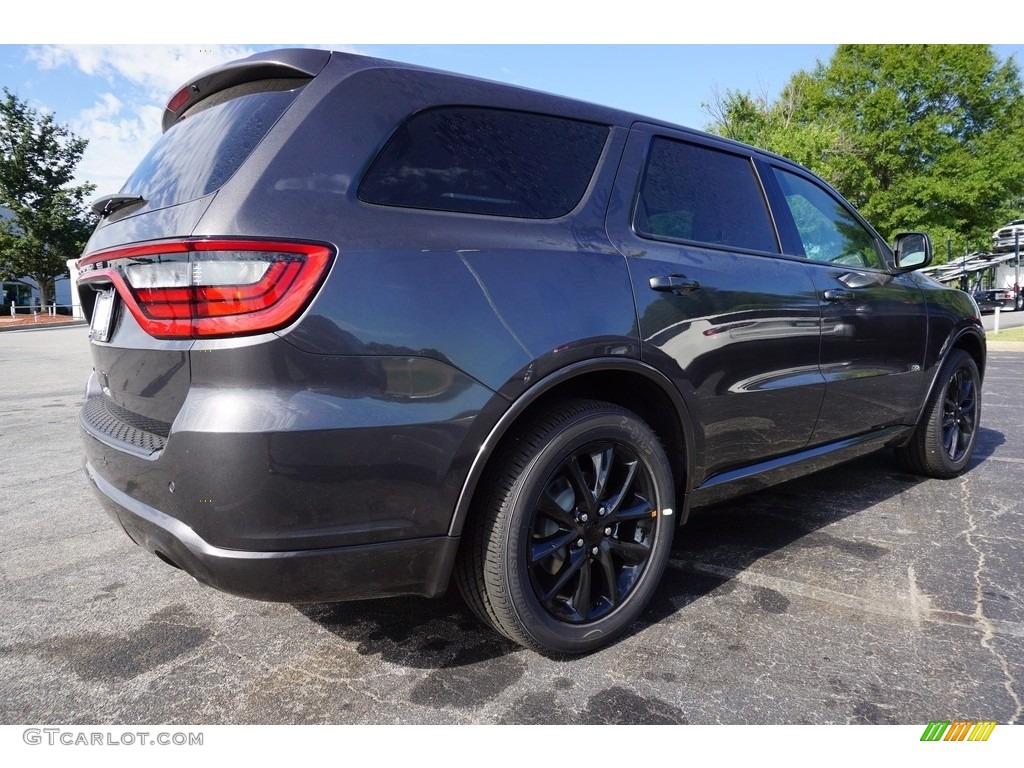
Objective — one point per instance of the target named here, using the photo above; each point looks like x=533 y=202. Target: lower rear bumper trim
x=405 y=567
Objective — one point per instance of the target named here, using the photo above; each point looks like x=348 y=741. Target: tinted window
x=487 y=161
x=201 y=151
x=828 y=229
x=690 y=192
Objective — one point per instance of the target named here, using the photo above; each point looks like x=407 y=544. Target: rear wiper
x=107 y=204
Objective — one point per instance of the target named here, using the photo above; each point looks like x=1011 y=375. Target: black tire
x=944 y=440
x=582 y=471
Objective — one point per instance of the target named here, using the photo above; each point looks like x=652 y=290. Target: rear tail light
x=205 y=288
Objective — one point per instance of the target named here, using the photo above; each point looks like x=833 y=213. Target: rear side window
x=487 y=161
x=692 y=192
x=202 y=150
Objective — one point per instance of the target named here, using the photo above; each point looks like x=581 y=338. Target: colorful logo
x=958 y=730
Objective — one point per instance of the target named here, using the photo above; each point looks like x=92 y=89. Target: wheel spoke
x=967 y=419
x=604 y=559
x=630 y=552
x=967 y=392
x=570 y=568
x=541 y=550
x=581 y=597
x=614 y=504
x=952 y=441
x=639 y=511
x=549 y=507
x=584 y=494
x=603 y=462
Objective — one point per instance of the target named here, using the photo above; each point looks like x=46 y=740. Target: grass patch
x=1006 y=334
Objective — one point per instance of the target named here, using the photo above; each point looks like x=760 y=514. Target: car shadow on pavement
x=725 y=539
x=716 y=543
x=412 y=631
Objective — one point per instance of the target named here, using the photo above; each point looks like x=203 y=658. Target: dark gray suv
x=358 y=327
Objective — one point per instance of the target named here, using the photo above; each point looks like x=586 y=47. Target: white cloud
x=158 y=69
x=108 y=106
x=121 y=128
x=118 y=137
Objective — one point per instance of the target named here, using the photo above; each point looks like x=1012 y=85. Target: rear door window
x=696 y=193
x=486 y=161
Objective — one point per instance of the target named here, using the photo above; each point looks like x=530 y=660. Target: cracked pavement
x=858 y=595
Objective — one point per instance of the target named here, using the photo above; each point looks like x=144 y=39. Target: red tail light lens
x=206 y=288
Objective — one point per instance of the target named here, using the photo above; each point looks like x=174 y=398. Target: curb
x=42 y=326
x=1005 y=346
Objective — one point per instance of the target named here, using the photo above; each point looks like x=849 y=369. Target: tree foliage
x=927 y=137
x=50 y=221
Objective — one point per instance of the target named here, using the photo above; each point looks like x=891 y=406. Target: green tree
x=50 y=221
x=926 y=137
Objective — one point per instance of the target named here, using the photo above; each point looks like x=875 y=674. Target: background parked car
x=1005 y=238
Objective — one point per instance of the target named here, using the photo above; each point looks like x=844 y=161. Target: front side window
x=487 y=161
x=828 y=230
x=692 y=192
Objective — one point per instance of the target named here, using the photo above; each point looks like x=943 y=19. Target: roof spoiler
x=282 y=63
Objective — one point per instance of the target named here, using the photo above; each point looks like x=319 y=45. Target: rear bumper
x=408 y=567
x=299 y=477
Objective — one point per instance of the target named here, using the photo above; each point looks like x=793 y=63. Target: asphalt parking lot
x=859 y=595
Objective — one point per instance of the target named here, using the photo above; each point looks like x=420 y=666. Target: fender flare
x=947 y=348
x=545 y=385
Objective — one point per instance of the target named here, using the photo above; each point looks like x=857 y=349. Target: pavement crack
x=988 y=628
x=275 y=668
x=896 y=607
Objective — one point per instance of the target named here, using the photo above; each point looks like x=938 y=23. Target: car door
x=874 y=322
x=731 y=321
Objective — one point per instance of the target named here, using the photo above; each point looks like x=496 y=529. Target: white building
x=24 y=292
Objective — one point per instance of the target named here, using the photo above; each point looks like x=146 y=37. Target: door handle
x=839 y=295
x=677 y=284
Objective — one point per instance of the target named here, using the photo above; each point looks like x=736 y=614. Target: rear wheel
x=944 y=441
x=574 y=529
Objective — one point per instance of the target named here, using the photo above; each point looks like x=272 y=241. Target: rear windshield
x=201 y=151
x=487 y=161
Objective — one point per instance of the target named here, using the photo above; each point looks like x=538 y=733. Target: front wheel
x=574 y=529
x=945 y=438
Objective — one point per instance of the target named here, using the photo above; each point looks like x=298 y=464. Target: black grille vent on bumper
x=108 y=421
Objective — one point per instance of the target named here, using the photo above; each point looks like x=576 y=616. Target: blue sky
x=113 y=92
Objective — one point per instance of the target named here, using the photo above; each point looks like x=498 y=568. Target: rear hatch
x=149 y=289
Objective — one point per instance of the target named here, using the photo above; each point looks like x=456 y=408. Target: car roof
x=311 y=62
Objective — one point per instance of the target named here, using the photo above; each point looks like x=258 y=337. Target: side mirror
x=913 y=250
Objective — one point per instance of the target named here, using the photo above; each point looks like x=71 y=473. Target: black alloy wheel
x=944 y=441
x=959 y=414
x=591 y=532
x=571 y=532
